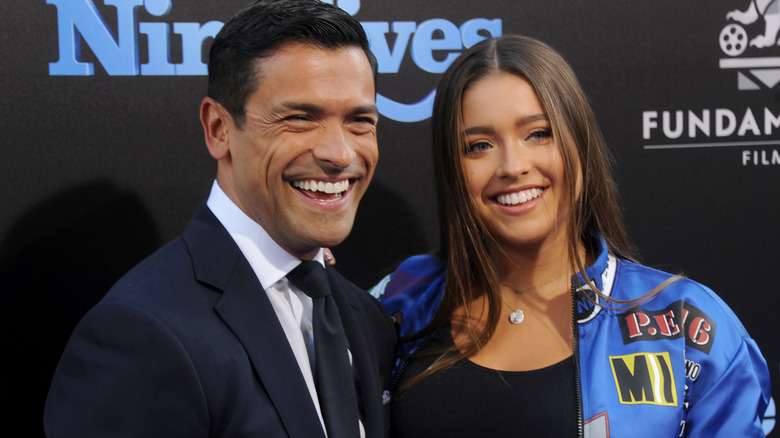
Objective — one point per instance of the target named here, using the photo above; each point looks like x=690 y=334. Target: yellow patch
x=644 y=378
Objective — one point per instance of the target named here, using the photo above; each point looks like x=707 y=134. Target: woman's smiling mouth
x=519 y=197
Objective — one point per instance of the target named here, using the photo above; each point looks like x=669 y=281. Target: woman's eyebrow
x=477 y=130
x=530 y=119
x=487 y=130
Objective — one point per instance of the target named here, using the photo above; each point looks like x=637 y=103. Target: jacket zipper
x=406 y=360
x=576 y=347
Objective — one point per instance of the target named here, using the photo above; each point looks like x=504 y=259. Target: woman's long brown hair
x=464 y=240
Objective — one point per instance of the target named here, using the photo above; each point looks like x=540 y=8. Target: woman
x=533 y=319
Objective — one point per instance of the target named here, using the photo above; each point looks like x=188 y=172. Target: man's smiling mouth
x=326 y=191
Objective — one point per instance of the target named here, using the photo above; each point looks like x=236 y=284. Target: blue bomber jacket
x=680 y=364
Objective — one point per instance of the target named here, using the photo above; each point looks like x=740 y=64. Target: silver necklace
x=516 y=316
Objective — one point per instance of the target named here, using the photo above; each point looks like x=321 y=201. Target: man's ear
x=216 y=120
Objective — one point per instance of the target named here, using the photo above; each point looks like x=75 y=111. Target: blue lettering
x=470 y=30
x=429 y=36
x=158 y=8
x=389 y=61
x=349 y=6
x=119 y=56
x=424 y=44
x=433 y=44
x=193 y=35
x=159 y=63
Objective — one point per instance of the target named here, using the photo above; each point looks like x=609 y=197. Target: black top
x=468 y=400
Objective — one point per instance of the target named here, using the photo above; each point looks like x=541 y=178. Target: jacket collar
x=601 y=274
x=246 y=310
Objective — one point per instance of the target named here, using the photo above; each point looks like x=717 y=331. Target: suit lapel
x=248 y=313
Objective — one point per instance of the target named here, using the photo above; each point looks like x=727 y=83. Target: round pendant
x=516 y=317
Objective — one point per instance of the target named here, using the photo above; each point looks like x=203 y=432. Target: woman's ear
x=216 y=121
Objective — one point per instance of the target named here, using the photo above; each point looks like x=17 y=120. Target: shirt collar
x=268 y=260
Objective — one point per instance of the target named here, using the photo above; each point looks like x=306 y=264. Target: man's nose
x=334 y=147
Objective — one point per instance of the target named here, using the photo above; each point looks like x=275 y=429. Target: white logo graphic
x=754 y=73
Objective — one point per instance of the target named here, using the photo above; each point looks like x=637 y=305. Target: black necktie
x=333 y=372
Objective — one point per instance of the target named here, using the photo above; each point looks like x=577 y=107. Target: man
x=207 y=337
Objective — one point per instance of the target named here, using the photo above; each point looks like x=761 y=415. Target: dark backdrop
x=97 y=171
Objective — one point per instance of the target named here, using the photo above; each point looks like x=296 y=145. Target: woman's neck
x=538 y=269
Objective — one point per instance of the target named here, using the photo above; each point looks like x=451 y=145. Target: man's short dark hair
x=261 y=28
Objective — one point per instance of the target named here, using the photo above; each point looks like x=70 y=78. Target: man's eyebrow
x=311 y=108
x=302 y=106
x=366 y=109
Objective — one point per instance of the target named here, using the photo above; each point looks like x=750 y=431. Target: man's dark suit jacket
x=187 y=344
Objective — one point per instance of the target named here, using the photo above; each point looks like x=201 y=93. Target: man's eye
x=367 y=120
x=362 y=125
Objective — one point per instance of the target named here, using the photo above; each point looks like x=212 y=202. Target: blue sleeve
x=411 y=295
x=735 y=404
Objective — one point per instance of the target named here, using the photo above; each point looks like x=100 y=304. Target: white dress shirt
x=271 y=264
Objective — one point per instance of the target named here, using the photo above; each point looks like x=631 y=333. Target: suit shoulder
x=168 y=264
x=164 y=284
x=368 y=307
x=358 y=295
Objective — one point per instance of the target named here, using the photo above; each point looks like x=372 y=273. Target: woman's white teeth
x=519 y=197
x=325 y=187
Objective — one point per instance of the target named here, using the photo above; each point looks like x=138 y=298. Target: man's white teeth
x=519 y=197
x=325 y=187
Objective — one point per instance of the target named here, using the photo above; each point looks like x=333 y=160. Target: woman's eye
x=479 y=146
x=541 y=135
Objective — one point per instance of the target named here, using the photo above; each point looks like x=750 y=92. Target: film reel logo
x=754 y=73
x=733 y=39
